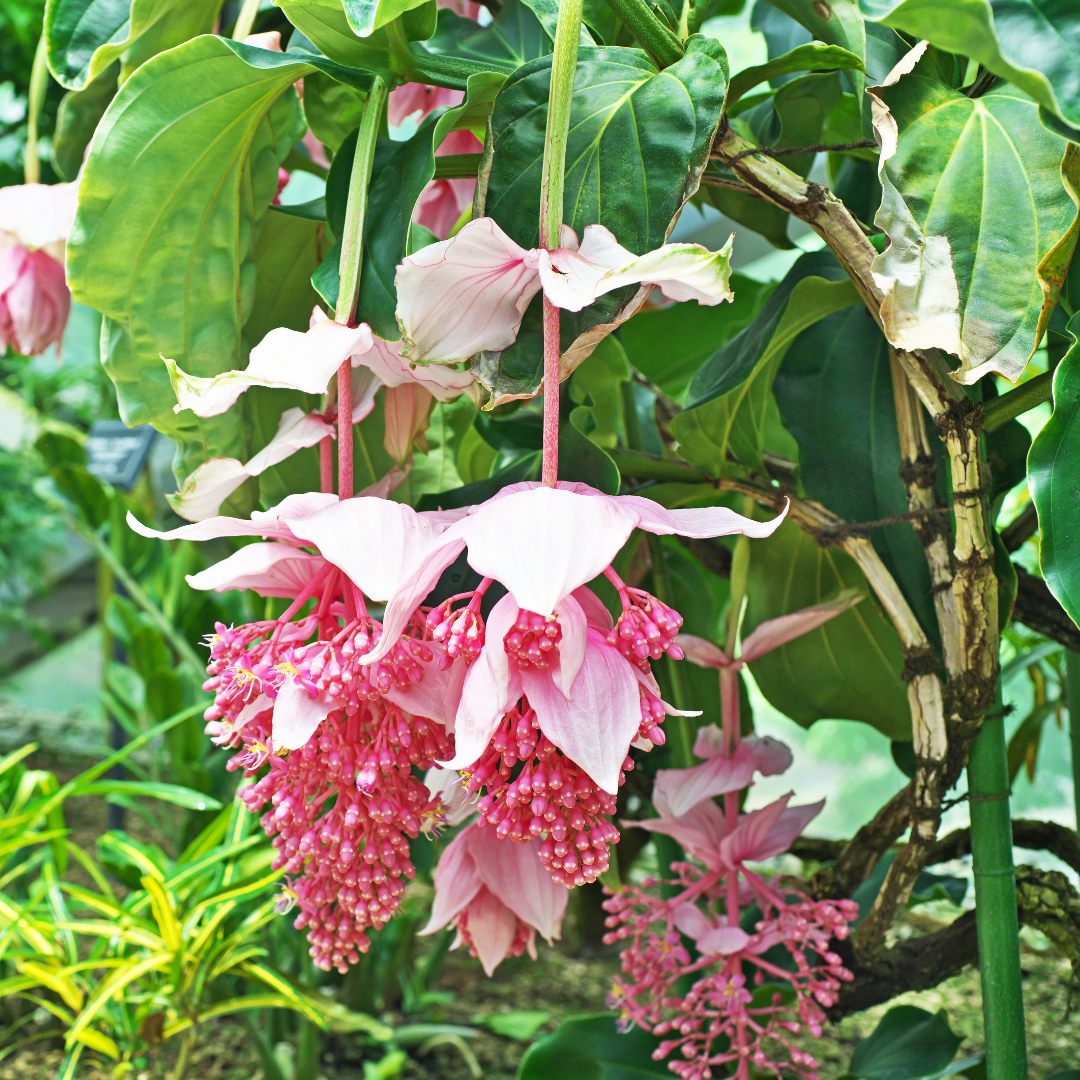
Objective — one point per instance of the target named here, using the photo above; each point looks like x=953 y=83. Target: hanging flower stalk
x=721 y=1022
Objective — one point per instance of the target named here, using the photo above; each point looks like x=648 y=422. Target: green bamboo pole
x=995 y=903
x=1072 y=673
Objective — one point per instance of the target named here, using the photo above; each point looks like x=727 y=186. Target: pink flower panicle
x=551 y=794
x=340 y=809
x=533 y=640
x=646 y=628
x=719 y=1022
x=461 y=632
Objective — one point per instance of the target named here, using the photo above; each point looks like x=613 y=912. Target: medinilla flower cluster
x=337 y=702
x=760 y=967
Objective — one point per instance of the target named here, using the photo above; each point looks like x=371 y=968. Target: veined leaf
x=1054 y=477
x=367 y=15
x=639 y=141
x=811 y=57
x=838 y=22
x=730 y=403
x=79 y=113
x=981 y=210
x=180 y=176
x=848 y=669
x=834 y=392
x=1032 y=43
x=515 y=37
x=84 y=37
x=592 y=1046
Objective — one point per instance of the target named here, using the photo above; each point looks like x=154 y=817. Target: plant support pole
x=352 y=251
x=560 y=99
x=995 y=902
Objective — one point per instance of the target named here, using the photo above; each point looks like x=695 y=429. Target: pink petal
x=648 y=680
x=681 y=271
x=376 y=542
x=596 y=612
x=411 y=98
x=382 y=488
x=773 y=633
x=700 y=830
x=709 y=741
x=465 y=295
x=365 y=385
x=543 y=543
x=261 y=704
x=207 y=488
x=296 y=430
x=767 y=832
x=690 y=920
x=723 y=941
x=39 y=215
x=569 y=280
x=515 y=874
x=594 y=728
x=272 y=569
x=771 y=756
x=413 y=590
x=492 y=927
x=406 y=409
x=448 y=786
x=571 y=644
x=297 y=715
x=442 y=203
x=701 y=652
x=699 y=523
x=284 y=358
x=392 y=369
x=34 y=300
x=271 y=40
x=266 y=523
x=676 y=791
x=438 y=693
x=492 y=685
x=456 y=882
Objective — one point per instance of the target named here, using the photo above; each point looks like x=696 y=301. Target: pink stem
x=551 y=394
x=729 y=711
x=345 y=440
x=305 y=595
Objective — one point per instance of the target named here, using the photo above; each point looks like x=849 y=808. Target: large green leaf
x=79 y=114
x=1054 y=478
x=1035 y=44
x=813 y=56
x=399 y=176
x=180 y=176
x=848 y=669
x=515 y=37
x=838 y=22
x=84 y=37
x=668 y=345
x=386 y=51
x=639 y=140
x=367 y=15
x=731 y=408
x=981 y=223
x=592 y=1048
x=908 y=1042
x=834 y=392
x=285 y=255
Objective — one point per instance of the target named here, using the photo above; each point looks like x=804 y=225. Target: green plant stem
x=186 y=1048
x=245 y=20
x=1072 y=670
x=352 y=254
x=39 y=80
x=183 y=648
x=552 y=180
x=995 y=903
x=655 y=36
x=1001 y=410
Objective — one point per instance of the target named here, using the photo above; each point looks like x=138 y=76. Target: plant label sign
x=116 y=453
